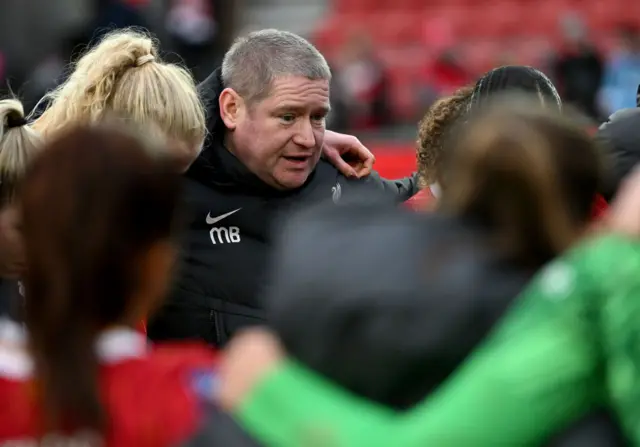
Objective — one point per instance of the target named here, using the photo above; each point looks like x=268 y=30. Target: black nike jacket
x=225 y=248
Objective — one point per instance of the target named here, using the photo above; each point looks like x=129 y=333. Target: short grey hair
x=254 y=61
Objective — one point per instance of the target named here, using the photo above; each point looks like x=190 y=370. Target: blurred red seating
x=488 y=31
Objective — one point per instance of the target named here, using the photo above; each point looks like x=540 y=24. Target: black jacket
x=218 y=429
x=619 y=137
x=231 y=213
x=11 y=302
x=392 y=302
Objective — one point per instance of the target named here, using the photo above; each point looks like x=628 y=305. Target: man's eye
x=319 y=117
x=288 y=118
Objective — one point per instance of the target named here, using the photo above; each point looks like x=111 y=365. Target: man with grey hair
x=266 y=107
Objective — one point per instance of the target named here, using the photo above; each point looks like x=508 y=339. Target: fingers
x=332 y=154
x=348 y=154
x=345 y=168
x=363 y=156
x=368 y=165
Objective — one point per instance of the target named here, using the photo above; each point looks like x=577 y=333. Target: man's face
x=280 y=137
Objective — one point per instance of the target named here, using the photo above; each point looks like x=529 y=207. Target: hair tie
x=144 y=59
x=15 y=121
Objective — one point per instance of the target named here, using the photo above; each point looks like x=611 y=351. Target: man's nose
x=304 y=135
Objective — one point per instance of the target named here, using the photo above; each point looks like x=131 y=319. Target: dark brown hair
x=93 y=203
x=433 y=130
x=529 y=174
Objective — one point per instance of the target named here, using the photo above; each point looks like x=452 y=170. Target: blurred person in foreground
x=19 y=144
x=99 y=228
x=569 y=344
x=437 y=124
x=622 y=72
x=578 y=70
x=520 y=185
x=267 y=107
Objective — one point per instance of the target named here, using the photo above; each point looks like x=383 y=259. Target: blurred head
x=124 y=77
x=518 y=79
x=98 y=239
x=434 y=129
x=18 y=146
x=359 y=46
x=274 y=105
x=573 y=29
x=526 y=173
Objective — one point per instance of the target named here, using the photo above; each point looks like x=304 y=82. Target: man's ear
x=231 y=107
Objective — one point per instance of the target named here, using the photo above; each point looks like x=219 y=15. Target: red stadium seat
x=604 y=16
x=351 y=6
x=396 y=29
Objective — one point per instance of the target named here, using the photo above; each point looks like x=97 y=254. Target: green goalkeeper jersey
x=570 y=343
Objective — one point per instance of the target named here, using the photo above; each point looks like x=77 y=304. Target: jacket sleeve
x=401 y=189
x=545 y=357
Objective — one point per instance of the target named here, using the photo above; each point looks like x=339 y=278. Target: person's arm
x=537 y=373
x=347 y=154
x=400 y=190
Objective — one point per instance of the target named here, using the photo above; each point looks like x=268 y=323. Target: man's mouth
x=297 y=158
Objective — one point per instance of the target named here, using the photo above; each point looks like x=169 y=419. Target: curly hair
x=433 y=130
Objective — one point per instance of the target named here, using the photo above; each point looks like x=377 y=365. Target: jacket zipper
x=216 y=322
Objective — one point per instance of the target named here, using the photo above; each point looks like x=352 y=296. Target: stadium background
x=391 y=58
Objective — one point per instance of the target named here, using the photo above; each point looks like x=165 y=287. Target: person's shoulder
x=603 y=262
x=609 y=250
x=161 y=365
x=620 y=140
x=328 y=182
x=165 y=389
x=325 y=172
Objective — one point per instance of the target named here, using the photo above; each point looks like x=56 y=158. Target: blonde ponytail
x=124 y=76
x=18 y=146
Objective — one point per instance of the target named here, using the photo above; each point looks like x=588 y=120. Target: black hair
x=518 y=78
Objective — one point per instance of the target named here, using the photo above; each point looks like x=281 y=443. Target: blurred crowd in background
x=391 y=58
x=188 y=29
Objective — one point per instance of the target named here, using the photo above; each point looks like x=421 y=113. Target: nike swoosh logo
x=211 y=220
